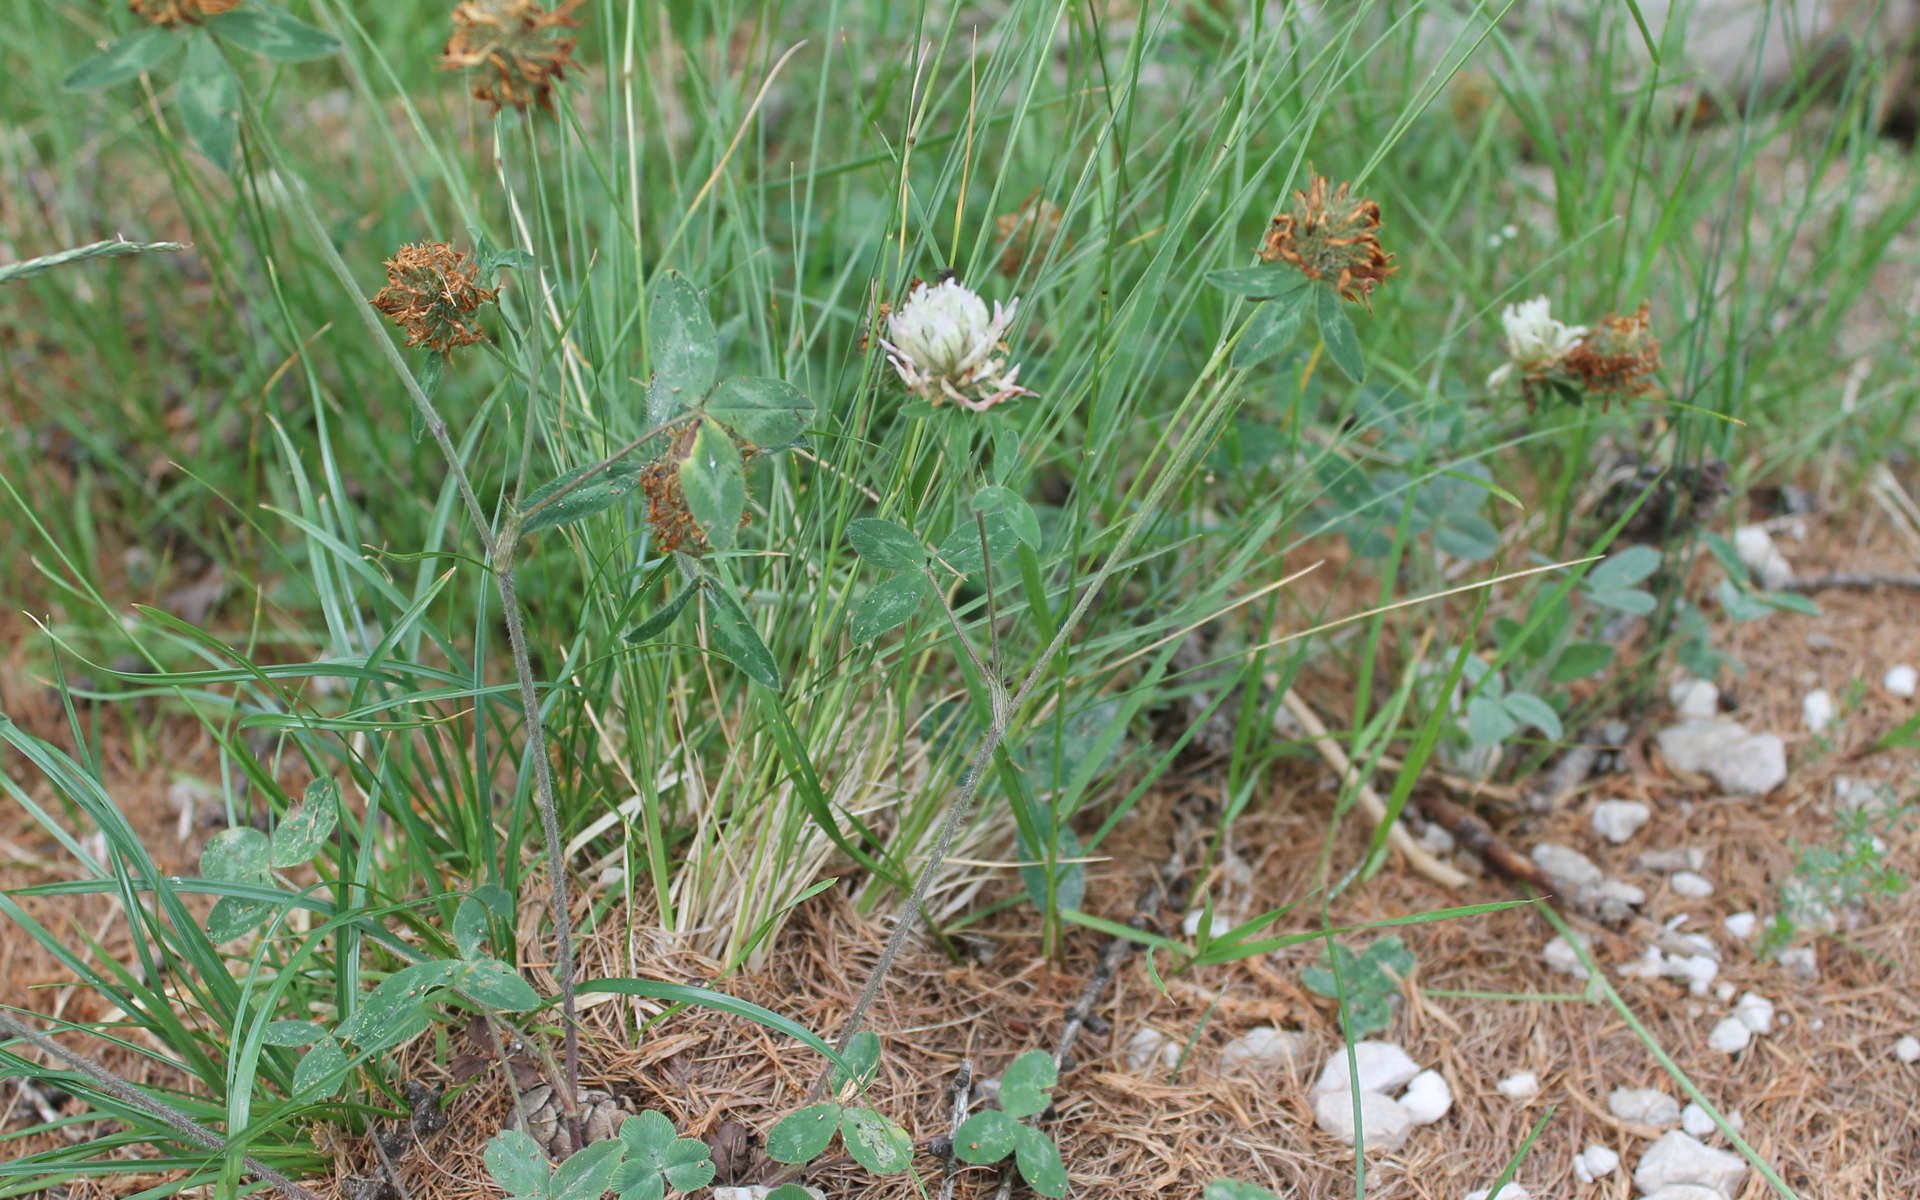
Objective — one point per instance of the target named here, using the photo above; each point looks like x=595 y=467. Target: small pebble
x=1902 y=680
x=1565 y=866
x=1698 y=970
x=1730 y=1036
x=1522 y=1087
x=1644 y=1106
x=1563 y=958
x=612 y=876
x=1907 y=1049
x=1692 y=885
x=1755 y=547
x=1755 y=1012
x=1695 y=698
x=1696 y=1122
x=1148 y=1047
x=1380 y=1067
x=1193 y=918
x=1264 y=1049
x=1816 y=711
x=1618 y=820
x=1725 y=992
x=1427 y=1098
x=1595 y=1162
x=1741 y=925
x=1678 y=1158
x=1510 y=1191
x=1387 y=1123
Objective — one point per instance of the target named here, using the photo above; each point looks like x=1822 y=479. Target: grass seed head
x=180 y=12
x=432 y=289
x=1331 y=235
x=517 y=49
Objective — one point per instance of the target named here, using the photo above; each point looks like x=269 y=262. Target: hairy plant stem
x=125 y=1092
x=1212 y=405
x=500 y=547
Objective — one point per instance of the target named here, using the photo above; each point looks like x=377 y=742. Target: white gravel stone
x=1427 y=1098
x=1695 y=1121
x=1816 y=710
x=1567 y=867
x=1508 y=1191
x=1692 y=885
x=1680 y=1159
x=1693 y=745
x=1618 y=820
x=1724 y=992
x=1561 y=957
x=1521 y=1087
x=1752 y=766
x=1741 y=925
x=1684 y=1191
x=1697 y=969
x=1387 y=1123
x=1644 y=1106
x=1595 y=1162
x=1755 y=547
x=1149 y=1048
x=1755 y=1012
x=1264 y=1049
x=1730 y=1036
x=1902 y=680
x=1907 y=1049
x=1381 y=1067
x=1191 y=923
x=1695 y=698
x=757 y=1191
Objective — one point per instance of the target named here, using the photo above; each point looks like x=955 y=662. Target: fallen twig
x=1476 y=835
x=1376 y=809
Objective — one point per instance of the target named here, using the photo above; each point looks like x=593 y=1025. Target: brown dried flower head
x=674 y=527
x=1031 y=233
x=432 y=289
x=517 y=49
x=1617 y=357
x=180 y=12
x=1331 y=236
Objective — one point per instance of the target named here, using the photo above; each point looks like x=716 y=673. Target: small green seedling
x=988 y=1137
x=876 y=1143
x=1233 y=1189
x=640 y=1164
x=1366 y=984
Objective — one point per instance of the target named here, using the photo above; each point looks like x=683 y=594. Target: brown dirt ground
x=1823 y=1099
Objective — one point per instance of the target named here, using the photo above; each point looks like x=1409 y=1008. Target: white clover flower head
x=1535 y=341
x=945 y=347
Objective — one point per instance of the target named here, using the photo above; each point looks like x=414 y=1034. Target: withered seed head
x=517 y=49
x=1331 y=236
x=180 y=12
x=431 y=291
x=1617 y=357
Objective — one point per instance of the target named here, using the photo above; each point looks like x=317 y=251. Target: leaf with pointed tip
x=596 y=495
x=888 y=545
x=734 y=636
x=470 y=927
x=1336 y=330
x=392 y=1012
x=1532 y=710
x=497 y=985
x=307 y=825
x=684 y=345
x=890 y=604
x=294 y=1033
x=1271 y=330
x=1259 y=283
x=662 y=617
x=270 y=31
x=125 y=58
x=961 y=550
x=320 y=1071
x=1488 y=722
x=208 y=100
x=1011 y=505
x=587 y=1172
x=714 y=484
x=862 y=1055
x=770 y=413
